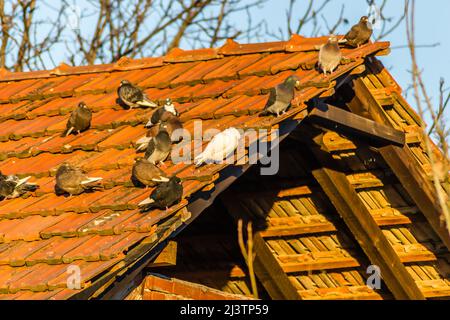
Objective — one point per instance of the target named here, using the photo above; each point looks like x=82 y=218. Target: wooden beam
x=415 y=182
x=339 y=120
x=270 y=273
x=363 y=226
x=404 y=165
x=167 y=257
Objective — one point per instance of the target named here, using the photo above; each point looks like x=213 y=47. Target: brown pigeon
x=147 y=173
x=330 y=55
x=72 y=180
x=80 y=119
x=360 y=33
x=280 y=97
x=132 y=96
x=173 y=127
x=163 y=114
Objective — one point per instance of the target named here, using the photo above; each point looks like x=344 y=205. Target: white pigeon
x=221 y=146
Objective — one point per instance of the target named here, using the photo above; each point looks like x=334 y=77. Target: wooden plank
x=339 y=120
x=270 y=273
x=363 y=226
x=167 y=257
x=405 y=167
x=341 y=293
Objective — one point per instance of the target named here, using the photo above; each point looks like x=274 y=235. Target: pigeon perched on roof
x=132 y=96
x=12 y=187
x=162 y=114
x=173 y=127
x=280 y=97
x=146 y=173
x=360 y=33
x=73 y=180
x=79 y=120
x=159 y=147
x=330 y=55
x=221 y=146
x=165 y=195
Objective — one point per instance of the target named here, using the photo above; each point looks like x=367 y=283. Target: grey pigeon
x=79 y=120
x=12 y=187
x=73 y=180
x=132 y=96
x=360 y=33
x=330 y=55
x=280 y=97
x=173 y=127
x=165 y=195
x=159 y=147
x=147 y=173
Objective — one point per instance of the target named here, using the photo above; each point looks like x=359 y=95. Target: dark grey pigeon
x=147 y=173
x=165 y=195
x=159 y=147
x=73 y=180
x=79 y=120
x=360 y=33
x=160 y=115
x=132 y=96
x=330 y=55
x=12 y=187
x=280 y=97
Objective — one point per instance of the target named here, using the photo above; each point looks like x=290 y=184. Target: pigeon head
x=175 y=179
x=332 y=39
x=292 y=81
x=82 y=105
x=124 y=82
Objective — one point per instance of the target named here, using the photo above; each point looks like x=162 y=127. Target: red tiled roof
x=42 y=233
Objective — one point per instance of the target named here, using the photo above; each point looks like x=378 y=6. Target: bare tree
x=440 y=162
x=26 y=41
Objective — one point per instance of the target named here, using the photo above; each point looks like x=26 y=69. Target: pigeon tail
x=161 y=179
x=23 y=181
x=149 y=124
x=142 y=143
x=146 y=203
x=147 y=103
x=90 y=180
x=69 y=131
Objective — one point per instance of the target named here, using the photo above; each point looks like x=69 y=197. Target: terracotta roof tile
x=230 y=69
x=41 y=232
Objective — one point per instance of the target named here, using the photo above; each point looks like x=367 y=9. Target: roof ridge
x=296 y=43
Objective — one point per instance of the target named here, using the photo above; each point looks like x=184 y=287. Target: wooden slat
x=363 y=226
x=405 y=167
x=341 y=293
x=270 y=273
x=339 y=120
